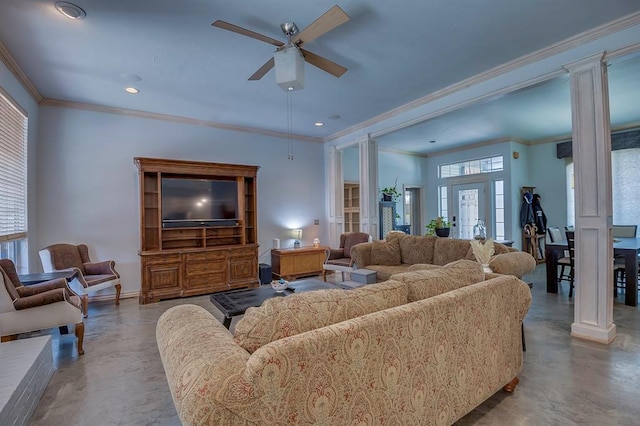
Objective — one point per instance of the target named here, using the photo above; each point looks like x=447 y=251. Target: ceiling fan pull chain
x=290 y=124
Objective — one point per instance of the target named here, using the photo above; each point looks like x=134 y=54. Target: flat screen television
x=199 y=202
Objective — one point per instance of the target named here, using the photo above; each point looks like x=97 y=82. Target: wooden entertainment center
x=186 y=261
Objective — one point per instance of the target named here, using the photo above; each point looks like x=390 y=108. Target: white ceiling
x=396 y=52
x=535 y=113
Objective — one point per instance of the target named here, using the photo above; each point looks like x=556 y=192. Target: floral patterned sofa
x=425 y=347
x=400 y=252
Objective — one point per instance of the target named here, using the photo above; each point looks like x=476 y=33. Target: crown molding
x=546 y=52
x=174 y=118
x=12 y=65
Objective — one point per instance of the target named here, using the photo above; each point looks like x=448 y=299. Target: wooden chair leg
x=118 y=289
x=511 y=386
x=80 y=336
x=9 y=338
x=324 y=275
x=85 y=305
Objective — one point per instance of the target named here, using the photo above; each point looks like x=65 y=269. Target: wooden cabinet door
x=243 y=267
x=161 y=277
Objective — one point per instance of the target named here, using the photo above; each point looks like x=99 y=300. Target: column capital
x=585 y=62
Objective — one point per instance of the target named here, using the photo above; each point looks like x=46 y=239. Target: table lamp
x=296 y=234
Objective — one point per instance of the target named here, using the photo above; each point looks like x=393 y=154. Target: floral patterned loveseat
x=425 y=347
x=400 y=252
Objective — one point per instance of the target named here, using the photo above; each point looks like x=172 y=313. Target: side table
x=292 y=263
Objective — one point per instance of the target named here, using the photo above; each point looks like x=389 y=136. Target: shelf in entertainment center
x=201 y=237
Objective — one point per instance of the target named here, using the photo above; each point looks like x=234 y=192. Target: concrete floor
x=565 y=381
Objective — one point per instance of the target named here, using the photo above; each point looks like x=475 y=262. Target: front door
x=468 y=205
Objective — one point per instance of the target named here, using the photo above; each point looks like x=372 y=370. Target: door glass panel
x=468 y=211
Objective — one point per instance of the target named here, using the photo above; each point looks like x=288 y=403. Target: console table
x=294 y=263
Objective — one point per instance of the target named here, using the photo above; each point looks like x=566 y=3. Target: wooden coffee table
x=235 y=302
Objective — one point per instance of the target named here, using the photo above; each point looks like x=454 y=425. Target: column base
x=593 y=333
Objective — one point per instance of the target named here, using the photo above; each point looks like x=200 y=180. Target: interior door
x=468 y=205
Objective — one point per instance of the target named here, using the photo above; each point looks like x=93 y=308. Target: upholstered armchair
x=36 y=307
x=92 y=276
x=339 y=259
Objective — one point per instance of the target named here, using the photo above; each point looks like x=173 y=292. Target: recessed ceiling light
x=70 y=10
x=318 y=124
x=334 y=117
x=432 y=141
x=131 y=90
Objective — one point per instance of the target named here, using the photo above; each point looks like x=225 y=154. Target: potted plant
x=390 y=193
x=439 y=226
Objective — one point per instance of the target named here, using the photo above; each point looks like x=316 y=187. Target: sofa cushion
x=417 y=249
x=431 y=282
x=447 y=250
x=385 y=253
x=281 y=317
x=384 y=272
x=517 y=264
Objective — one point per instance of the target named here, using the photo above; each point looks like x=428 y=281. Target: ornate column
x=335 y=202
x=368 y=150
x=593 y=310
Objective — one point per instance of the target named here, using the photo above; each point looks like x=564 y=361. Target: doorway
x=412 y=210
x=468 y=205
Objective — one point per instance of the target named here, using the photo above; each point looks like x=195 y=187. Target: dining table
x=624 y=248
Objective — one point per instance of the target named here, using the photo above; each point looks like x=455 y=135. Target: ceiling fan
x=295 y=40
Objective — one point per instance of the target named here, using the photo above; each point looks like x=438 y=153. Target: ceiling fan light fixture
x=289 y=65
x=70 y=10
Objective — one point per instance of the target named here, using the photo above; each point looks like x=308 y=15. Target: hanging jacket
x=539 y=216
x=526 y=210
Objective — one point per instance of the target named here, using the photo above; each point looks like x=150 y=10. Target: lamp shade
x=296 y=234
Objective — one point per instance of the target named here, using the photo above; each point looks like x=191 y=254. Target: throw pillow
x=282 y=317
x=416 y=249
x=386 y=253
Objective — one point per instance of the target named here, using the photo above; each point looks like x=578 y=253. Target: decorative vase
x=442 y=232
x=386 y=197
x=480 y=230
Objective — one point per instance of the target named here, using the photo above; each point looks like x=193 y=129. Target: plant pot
x=442 y=232
x=386 y=197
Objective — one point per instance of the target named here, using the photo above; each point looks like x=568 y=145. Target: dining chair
x=624 y=231
x=555 y=235
x=571 y=245
x=621 y=231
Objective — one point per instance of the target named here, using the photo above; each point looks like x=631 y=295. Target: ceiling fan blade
x=323 y=63
x=236 y=29
x=263 y=70
x=325 y=23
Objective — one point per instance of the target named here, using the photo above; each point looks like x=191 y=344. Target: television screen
x=199 y=200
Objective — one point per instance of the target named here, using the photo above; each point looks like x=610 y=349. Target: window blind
x=13 y=170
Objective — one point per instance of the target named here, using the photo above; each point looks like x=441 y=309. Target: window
x=498 y=193
x=13 y=179
x=443 y=207
x=472 y=167
x=625 y=190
